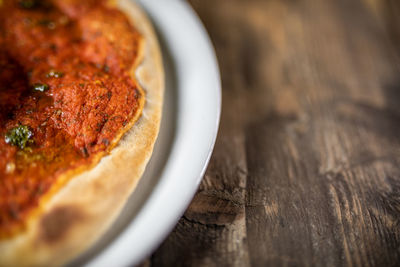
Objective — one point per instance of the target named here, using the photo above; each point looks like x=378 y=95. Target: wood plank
x=306 y=167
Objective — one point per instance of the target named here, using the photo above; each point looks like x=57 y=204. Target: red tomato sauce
x=64 y=75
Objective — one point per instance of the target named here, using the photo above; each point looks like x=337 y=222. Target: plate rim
x=122 y=249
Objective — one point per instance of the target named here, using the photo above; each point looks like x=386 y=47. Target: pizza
x=81 y=90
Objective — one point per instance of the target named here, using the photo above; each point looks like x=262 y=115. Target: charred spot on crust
x=137 y=94
x=106 y=141
x=85 y=152
x=57 y=223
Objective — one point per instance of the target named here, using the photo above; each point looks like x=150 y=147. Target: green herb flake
x=54 y=74
x=47 y=23
x=27 y=4
x=42 y=87
x=19 y=136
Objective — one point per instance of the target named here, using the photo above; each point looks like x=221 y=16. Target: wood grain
x=306 y=169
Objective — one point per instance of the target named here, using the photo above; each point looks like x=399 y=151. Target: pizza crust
x=75 y=217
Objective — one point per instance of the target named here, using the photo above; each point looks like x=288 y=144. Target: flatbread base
x=76 y=216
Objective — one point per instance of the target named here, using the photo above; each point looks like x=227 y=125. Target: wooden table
x=306 y=169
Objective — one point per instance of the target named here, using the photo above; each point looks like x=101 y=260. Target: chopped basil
x=47 y=23
x=42 y=87
x=19 y=136
x=27 y=4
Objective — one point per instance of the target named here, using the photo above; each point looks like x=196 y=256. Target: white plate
x=188 y=131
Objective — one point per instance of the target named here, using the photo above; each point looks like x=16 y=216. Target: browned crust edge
x=77 y=215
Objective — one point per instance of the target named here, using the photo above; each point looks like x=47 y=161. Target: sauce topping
x=66 y=94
